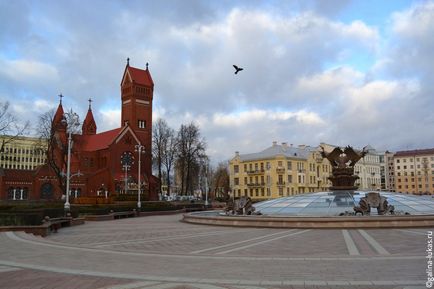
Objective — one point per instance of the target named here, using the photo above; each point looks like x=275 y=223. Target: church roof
x=141 y=76
x=99 y=141
x=18 y=175
x=138 y=76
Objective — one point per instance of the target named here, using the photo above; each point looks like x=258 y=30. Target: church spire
x=58 y=116
x=89 y=125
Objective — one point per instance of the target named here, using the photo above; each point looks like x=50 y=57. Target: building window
x=289 y=178
x=236 y=169
x=289 y=165
x=245 y=167
x=142 y=123
x=236 y=181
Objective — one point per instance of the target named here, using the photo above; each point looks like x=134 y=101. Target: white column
x=21 y=194
x=14 y=195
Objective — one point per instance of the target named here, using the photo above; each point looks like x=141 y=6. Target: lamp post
x=140 y=149
x=206 y=186
x=71 y=120
x=126 y=168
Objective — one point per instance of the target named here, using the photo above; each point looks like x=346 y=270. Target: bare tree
x=221 y=180
x=54 y=145
x=159 y=142
x=190 y=148
x=10 y=128
x=169 y=155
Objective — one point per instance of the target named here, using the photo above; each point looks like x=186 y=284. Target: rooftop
x=288 y=151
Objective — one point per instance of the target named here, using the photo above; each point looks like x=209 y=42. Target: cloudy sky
x=340 y=72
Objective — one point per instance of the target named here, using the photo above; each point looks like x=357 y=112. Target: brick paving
x=159 y=252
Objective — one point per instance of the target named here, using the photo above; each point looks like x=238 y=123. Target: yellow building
x=22 y=153
x=414 y=171
x=280 y=170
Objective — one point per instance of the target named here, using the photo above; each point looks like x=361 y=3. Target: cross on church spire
x=128 y=61
x=60 y=96
x=90 y=101
x=147 y=64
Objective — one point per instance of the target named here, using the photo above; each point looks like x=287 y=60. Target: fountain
x=341 y=207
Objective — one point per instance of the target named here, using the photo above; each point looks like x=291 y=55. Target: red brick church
x=107 y=162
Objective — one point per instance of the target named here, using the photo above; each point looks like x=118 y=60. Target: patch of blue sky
x=357 y=60
x=373 y=12
x=10 y=52
x=110 y=104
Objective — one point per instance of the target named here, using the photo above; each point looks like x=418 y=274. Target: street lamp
x=71 y=120
x=140 y=149
x=206 y=186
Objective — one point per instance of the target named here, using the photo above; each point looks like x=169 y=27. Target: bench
x=121 y=215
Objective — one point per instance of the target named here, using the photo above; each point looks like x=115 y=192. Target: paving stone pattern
x=162 y=252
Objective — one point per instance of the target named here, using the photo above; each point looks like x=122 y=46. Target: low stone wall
x=119 y=215
x=48 y=227
x=350 y=222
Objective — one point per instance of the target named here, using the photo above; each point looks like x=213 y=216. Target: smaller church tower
x=89 y=124
x=58 y=124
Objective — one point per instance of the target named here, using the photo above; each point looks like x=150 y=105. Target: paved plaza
x=159 y=252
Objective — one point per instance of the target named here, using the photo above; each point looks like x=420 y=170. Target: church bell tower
x=137 y=89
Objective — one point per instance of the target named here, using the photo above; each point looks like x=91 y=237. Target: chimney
x=284 y=146
x=237 y=153
x=274 y=143
x=302 y=146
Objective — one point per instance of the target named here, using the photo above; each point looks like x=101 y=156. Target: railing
x=256 y=184
x=280 y=170
x=280 y=183
x=261 y=171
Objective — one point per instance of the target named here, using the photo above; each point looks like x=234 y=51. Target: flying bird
x=237 y=69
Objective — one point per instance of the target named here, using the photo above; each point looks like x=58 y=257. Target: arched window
x=46 y=191
x=10 y=193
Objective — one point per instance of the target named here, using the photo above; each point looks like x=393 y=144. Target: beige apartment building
x=279 y=170
x=414 y=171
x=389 y=171
x=21 y=153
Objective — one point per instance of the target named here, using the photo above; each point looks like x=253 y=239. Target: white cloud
x=255 y=116
x=109 y=119
x=25 y=70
